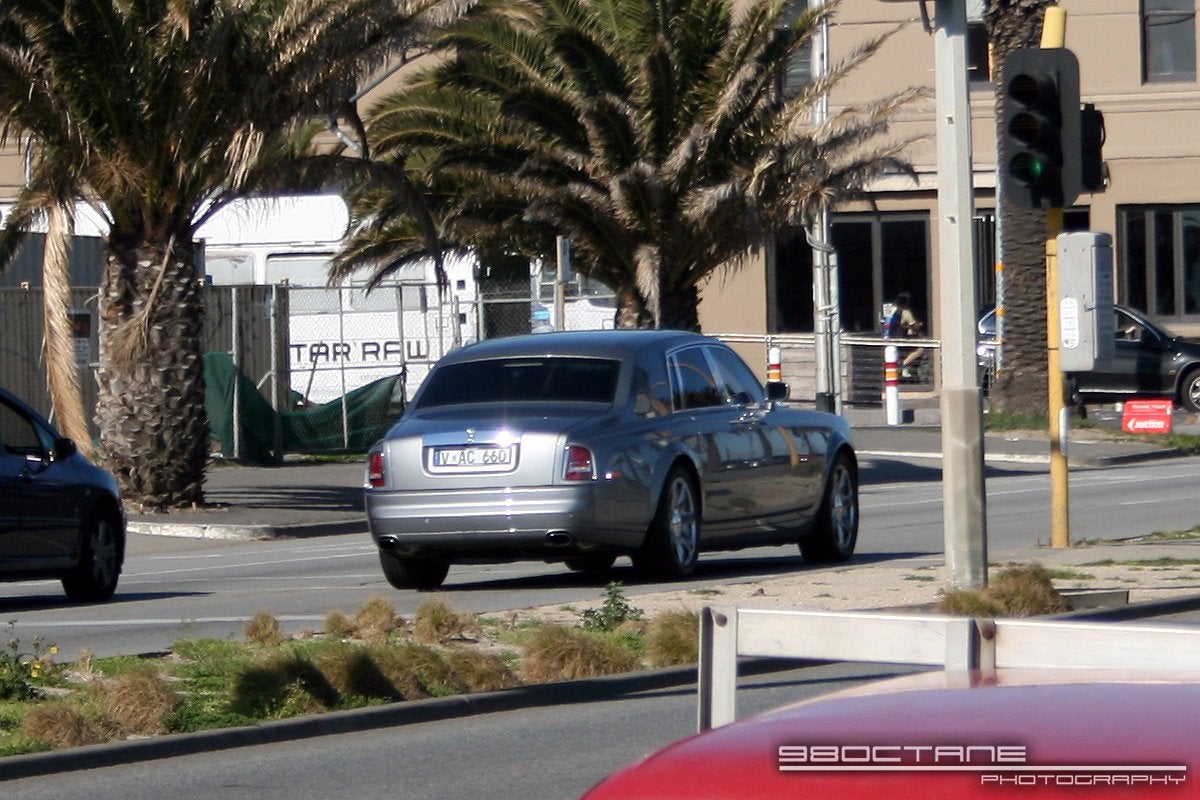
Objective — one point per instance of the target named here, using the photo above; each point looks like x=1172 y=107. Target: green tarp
x=369 y=412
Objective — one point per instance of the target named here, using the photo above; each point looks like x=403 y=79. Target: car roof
x=615 y=344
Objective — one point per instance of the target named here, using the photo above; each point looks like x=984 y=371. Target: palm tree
x=651 y=133
x=1021 y=386
x=162 y=111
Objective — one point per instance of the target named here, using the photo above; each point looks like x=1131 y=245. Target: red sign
x=1147 y=416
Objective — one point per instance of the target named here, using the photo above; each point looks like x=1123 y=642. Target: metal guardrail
x=956 y=644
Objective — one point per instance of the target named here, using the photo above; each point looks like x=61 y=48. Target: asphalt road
x=185 y=588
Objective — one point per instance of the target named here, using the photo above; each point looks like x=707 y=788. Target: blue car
x=60 y=515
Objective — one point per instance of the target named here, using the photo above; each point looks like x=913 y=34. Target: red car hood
x=1032 y=735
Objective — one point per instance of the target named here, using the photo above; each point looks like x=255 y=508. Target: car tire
x=591 y=565
x=413 y=573
x=1189 y=391
x=673 y=540
x=836 y=530
x=101 y=551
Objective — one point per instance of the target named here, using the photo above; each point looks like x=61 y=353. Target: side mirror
x=777 y=391
x=64 y=448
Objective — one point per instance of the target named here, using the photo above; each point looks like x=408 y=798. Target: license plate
x=473 y=459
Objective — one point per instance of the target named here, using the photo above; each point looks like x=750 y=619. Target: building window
x=878 y=256
x=978 y=60
x=1159 y=267
x=1168 y=40
x=800 y=68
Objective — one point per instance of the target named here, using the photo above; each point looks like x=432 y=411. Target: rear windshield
x=589 y=380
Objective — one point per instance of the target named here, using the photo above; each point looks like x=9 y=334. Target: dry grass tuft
x=338 y=625
x=282 y=686
x=673 y=638
x=62 y=724
x=352 y=671
x=1017 y=591
x=482 y=672
x=263 y=628
x=558 y=653
x=376 y=619
x=139 y=701
x=436 y=623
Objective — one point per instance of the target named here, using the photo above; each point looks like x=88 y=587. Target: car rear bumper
x=549 y=520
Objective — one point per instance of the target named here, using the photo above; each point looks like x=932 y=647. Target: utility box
x=1085 y=300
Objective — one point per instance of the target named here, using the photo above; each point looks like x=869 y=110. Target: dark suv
x=60 y=515
x=1147 y=361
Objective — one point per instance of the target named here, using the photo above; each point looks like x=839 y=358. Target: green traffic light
x=1032 y=170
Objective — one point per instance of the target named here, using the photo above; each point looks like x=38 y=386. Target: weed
x=21 y=673
x=615 y=610
x=911 y=577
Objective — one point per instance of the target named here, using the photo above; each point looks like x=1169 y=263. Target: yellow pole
x=1054 y=34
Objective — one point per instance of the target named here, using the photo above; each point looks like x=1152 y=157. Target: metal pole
x=963 y=499
x=235 y=347
x=1054 y=34
x=563 y=249
x=826 y=313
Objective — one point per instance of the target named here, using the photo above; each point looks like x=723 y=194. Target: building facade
x=1138 y=66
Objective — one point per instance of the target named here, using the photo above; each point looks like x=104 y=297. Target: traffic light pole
x=1054 y=30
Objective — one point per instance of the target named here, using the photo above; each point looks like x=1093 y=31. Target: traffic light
x=1040 y=143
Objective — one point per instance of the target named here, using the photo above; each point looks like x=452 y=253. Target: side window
x=739 y=382
x=1127 y=328
x=694 y=384
x=18 y=435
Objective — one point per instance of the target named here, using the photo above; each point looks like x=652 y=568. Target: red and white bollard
x=774 y=364
x=891 y=384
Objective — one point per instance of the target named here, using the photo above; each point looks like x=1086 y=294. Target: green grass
x=1165 y=561
x=1070 y=575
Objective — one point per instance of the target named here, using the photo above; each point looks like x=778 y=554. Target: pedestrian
x=907 y=325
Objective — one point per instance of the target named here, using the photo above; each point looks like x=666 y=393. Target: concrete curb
x=248 y=532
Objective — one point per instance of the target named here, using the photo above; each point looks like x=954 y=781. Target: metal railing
x=956 y=644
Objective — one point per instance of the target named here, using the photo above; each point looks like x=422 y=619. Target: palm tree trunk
x=154 y=431
x=62 y=375
x=1021 y=385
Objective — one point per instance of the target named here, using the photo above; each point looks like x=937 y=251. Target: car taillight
x=375 y=476
x=579 y=464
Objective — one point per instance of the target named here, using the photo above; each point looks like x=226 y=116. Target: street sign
x=1147 y=416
